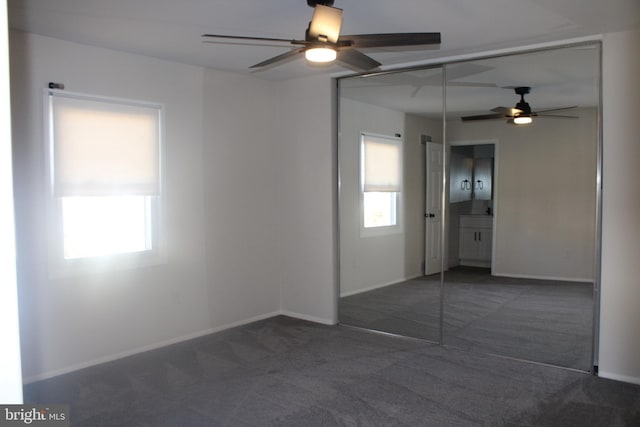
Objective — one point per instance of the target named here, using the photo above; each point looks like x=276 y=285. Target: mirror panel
x=383 y=285
x=520 y=270
x=492 y=239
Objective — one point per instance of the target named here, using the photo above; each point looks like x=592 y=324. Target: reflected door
x=536 y=301
x=433 y=213
x=382 y=281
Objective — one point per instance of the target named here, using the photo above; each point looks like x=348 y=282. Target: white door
x=433 y=213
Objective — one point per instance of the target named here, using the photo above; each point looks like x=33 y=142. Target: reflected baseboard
x=381 y=285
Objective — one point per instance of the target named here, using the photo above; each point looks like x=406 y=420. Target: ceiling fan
x=323 y=42
x=522 y=113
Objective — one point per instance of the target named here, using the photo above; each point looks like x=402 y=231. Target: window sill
x=388 y=230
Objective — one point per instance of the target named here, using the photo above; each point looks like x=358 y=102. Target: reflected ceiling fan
x=323 y=42
x=522 y=113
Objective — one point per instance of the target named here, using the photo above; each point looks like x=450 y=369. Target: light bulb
x=320 y=54
x=522 y=120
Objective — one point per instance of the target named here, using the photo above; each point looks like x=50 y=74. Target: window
x=98 y=226
x=104 y=158
x=381 y=183
x=379 y=209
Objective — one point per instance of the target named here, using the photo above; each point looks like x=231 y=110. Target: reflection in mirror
x=518 y=233
x=522 y=203
x=390 y=140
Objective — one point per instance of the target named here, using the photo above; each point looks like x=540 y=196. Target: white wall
x=241 y=197
x=249 y=205
x=307 y=200
x=620 y=298
x=10 y=365
x=374 y=261
x=546 y=187
x=75 y=321
x=219 y=224
x=371 y=261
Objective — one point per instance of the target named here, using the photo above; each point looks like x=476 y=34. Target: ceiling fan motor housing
x=314 y=3
x=523 y=105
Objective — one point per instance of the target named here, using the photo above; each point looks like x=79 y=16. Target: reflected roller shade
x=382 y=163
x=104 y=148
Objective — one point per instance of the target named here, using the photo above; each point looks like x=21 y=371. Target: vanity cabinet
x=482 y=179
x=476 y=233
x=469 y=178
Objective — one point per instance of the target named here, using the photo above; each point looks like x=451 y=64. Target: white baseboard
x=313 y=319
x=481 y=264
x=618 y=377
x=535 y=277
x=137 y=350
x=381 y=285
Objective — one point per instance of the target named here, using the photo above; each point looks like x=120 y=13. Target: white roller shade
x=103 y=148
x=382 y=163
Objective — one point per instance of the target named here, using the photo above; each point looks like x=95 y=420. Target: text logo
x=34 y=415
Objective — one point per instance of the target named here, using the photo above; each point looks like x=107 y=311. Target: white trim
x=367 y=289
x=458 y=142
x=618 y=377
x=313 y=319
x=121 y=355
x=385 y=230
x=58 y=267
x=381 y=285
x=494 y=200
x=481 y=264
x=10 y=360
x=124 y=101
x=439 y=60
x=537 y=277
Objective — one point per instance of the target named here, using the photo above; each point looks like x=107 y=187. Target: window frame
x=59 y=266
x=384 y=230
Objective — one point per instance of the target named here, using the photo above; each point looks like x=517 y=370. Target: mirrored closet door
x=461 y=226
x=522 y=205
x=388 y=124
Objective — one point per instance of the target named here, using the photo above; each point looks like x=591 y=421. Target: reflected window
x=381 y=182
x=380 y=209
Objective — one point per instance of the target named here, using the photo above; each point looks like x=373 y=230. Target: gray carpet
x=287 y=372
x=539 y=320
x=410 y=308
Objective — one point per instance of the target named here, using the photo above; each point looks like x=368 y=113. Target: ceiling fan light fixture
x=522 y=120
x=320 y=54
x=323 y=40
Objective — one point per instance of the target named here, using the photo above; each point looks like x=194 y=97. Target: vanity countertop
x=485 y=221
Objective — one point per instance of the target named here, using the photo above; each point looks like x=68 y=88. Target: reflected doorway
x=519 y=254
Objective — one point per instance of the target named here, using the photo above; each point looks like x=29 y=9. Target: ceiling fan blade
x=483 y=117
x=506 y=111
x=325 y=24
x=392 y=39
x=357 y=60
x=279 y=58
x=265 y=39
x=557 y=109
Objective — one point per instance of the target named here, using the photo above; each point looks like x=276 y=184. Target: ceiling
x=561 y=77
x=171 y=30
